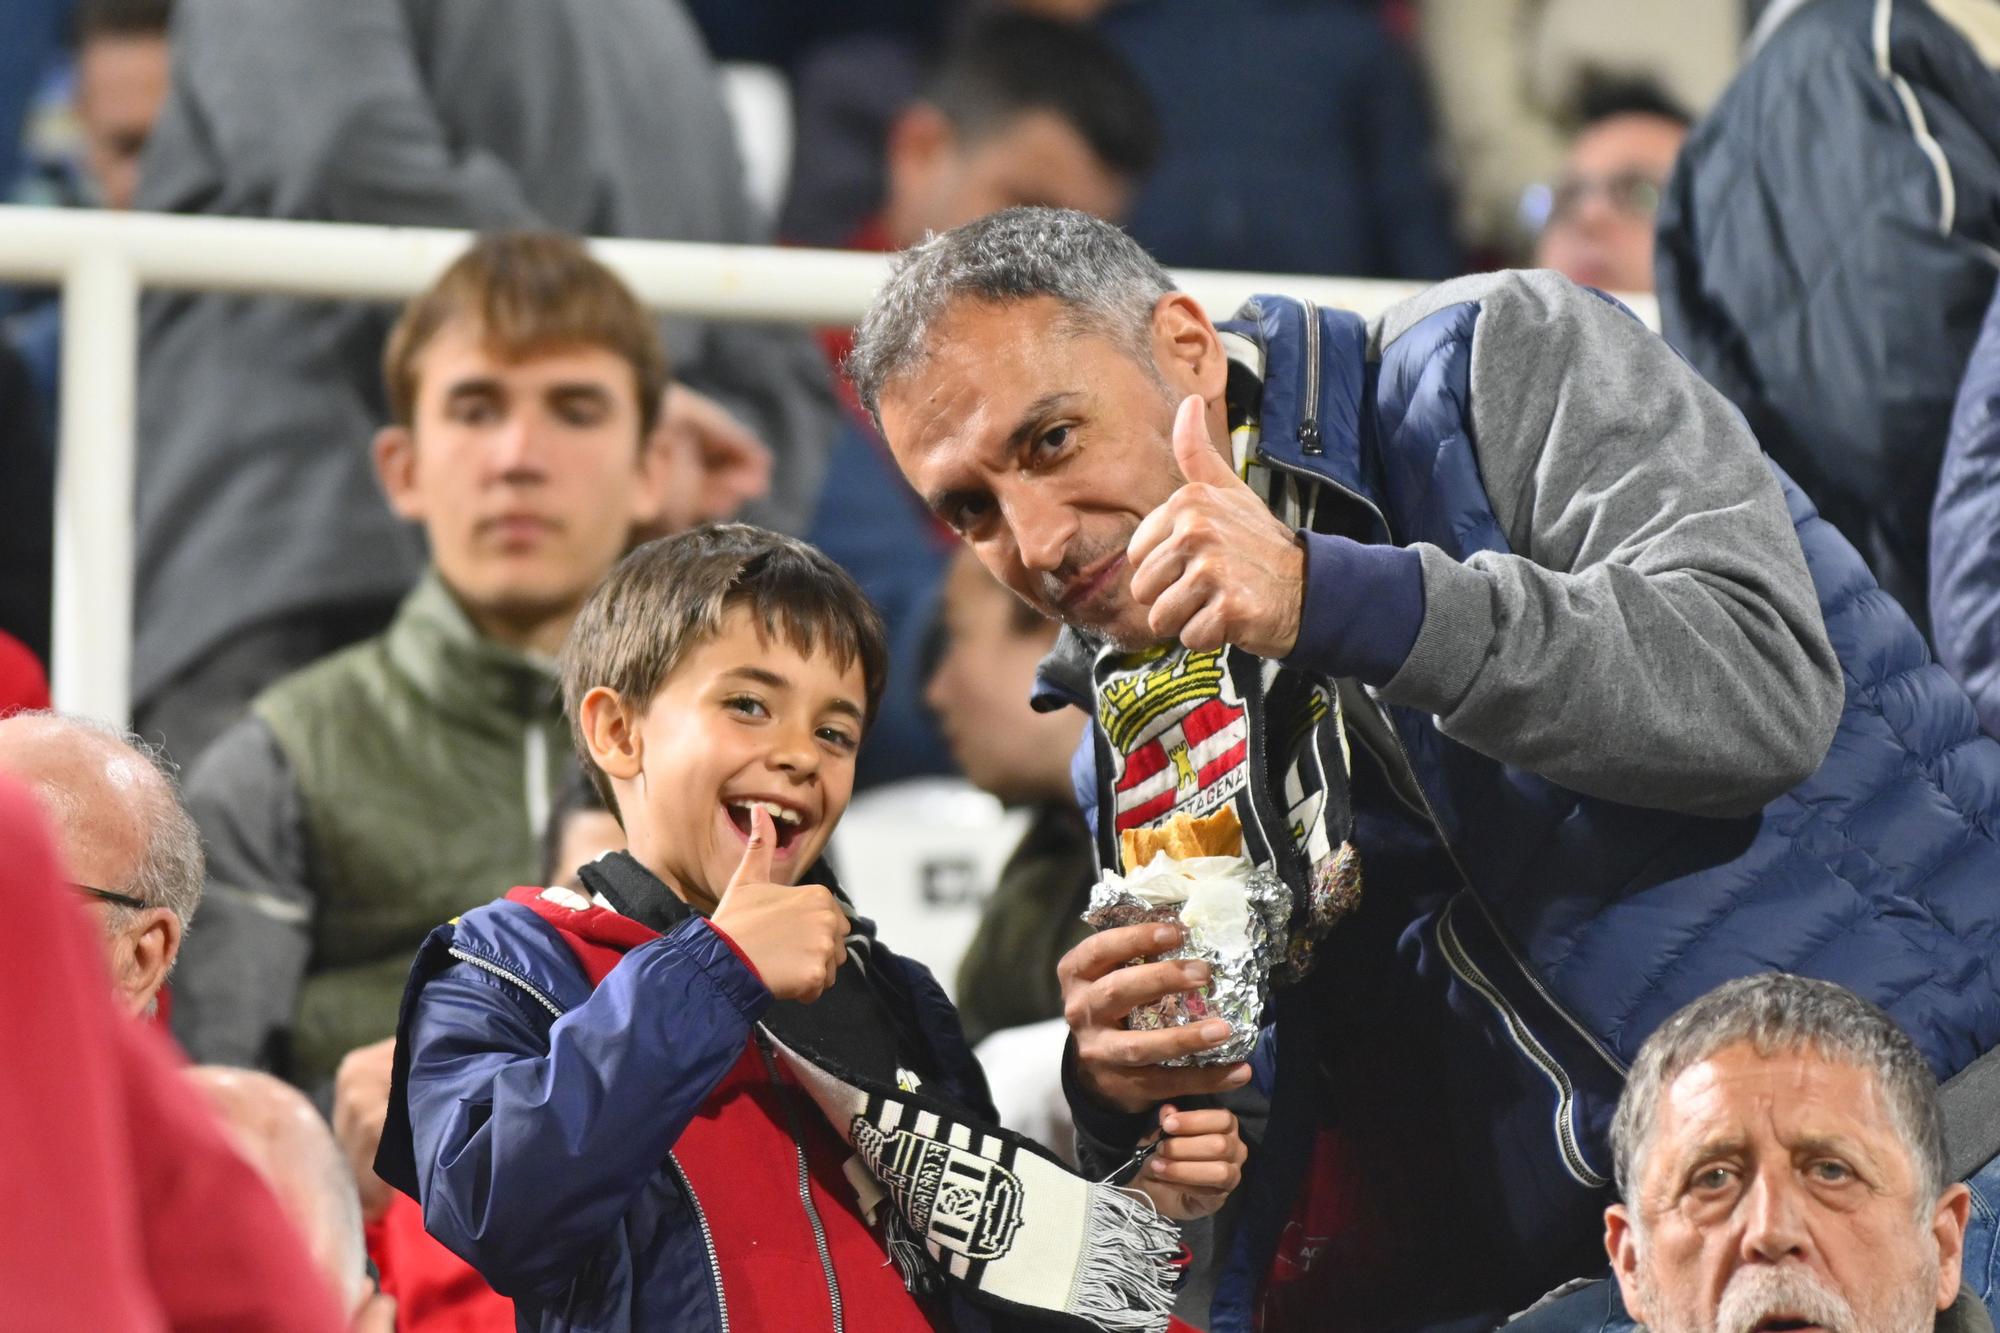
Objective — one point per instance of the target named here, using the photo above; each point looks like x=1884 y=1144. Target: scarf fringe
x=1126 y=1284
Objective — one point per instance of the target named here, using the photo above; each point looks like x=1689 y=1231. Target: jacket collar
x=434 y=645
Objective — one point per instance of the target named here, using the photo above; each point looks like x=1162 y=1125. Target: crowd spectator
x=1781 y=1152
x=263 y=542
x=649 y=1103
x=280 y=1134
x=34 y=31
x=132 y=1210
x=1507 y=75
x=1826 y=254
x=523 y=387
x=1597 y=221
x=1022 y=110
x=127 y=844
x=120 y=83
x=989 y=644
x=1297 y=138
x=1965 y=532
x=1620 y=688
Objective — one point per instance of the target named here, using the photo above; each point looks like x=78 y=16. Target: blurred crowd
x=365 y=532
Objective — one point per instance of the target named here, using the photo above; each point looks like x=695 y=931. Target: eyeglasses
x=1633 y=193
x=106 y=895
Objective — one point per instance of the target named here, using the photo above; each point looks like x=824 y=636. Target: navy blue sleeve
x=1965 y=533
x=1361 y=609
x=532 y=1138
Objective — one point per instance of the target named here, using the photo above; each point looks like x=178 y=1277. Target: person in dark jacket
x=1827 y=247
x=1298 y=139
x=628 y=1110
x=1965 y=533
x=1503 y=640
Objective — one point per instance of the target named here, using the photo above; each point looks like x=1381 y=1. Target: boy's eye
x=746 y=704
x=839 y=738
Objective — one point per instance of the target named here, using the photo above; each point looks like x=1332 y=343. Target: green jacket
x=363 y=800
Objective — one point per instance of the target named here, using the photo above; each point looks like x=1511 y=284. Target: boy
x=621 y=1109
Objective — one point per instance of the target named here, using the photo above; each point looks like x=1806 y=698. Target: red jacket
x=129 y=1209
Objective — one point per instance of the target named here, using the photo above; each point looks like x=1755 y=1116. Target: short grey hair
x=1106 y=279
x=171 y=867
x=1778 y=1012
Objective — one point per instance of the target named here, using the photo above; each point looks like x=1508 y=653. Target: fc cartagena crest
x=963 y=1202
x=1177 y=732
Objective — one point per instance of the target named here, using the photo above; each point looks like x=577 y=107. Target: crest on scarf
x=963 y=1202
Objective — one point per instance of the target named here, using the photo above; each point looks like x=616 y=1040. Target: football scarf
x=960 y=1201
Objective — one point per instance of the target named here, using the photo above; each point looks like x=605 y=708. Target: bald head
x=120 y=828
x=283 y=1137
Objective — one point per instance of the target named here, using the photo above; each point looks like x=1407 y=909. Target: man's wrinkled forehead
x=980 y=362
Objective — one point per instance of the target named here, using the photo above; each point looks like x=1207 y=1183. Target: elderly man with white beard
x=1780 y=1152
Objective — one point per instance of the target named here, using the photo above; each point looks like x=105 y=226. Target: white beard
x=1756 y=1292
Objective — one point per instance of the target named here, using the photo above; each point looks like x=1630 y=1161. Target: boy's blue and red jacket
x=561 y=1120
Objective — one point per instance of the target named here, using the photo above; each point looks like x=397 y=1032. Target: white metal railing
x=103 y=261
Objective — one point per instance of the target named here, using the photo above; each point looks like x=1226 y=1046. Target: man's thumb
x=755 y=867
x=1193 y=450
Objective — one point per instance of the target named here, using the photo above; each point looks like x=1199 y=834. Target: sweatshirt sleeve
x=236 y=986
x=1654 y=636
x=533 y=1138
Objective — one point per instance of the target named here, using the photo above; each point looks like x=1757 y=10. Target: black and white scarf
x=968 y=1203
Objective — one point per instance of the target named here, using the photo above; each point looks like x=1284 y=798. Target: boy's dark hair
x=122 y=18
x=576 y=794
x=1600 y=95
x=529 y=292
x=669 y=596
x=1007 y=65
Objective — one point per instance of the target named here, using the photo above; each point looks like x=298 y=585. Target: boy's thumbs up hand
x=794 y=935
x=1213 y=563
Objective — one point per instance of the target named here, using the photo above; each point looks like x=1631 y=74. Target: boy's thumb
x=1194 y=451
x=755 y=867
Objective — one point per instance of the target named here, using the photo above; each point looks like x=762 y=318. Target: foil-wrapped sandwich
x=1193 y=871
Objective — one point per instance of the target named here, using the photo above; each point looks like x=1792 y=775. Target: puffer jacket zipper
x=687 y=1187
x=1309 y=434
x=805 y=1184
x=1525 y=1041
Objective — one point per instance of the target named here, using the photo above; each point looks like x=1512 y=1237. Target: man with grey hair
x=125 y=840
x=1491 y=595
x=1780 y=1154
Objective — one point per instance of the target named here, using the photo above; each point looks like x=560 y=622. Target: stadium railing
x=104 y=261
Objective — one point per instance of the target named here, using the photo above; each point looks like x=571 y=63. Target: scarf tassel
x=1126 y=1283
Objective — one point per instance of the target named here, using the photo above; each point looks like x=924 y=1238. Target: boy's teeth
x=777 y=811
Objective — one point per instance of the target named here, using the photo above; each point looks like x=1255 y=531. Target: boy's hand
x=1199 y=1161
x=794 y=935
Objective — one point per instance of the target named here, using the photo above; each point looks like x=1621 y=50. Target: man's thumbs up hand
x=1213 y=563
x=794 y=935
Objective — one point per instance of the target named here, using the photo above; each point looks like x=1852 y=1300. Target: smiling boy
x=619 y=1107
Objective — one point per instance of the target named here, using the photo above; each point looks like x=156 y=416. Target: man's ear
x=1948 y=1228
x=154 y=943
x=1188 y=350
x=611 y=730
x=395 y=452
x=1621 y=1243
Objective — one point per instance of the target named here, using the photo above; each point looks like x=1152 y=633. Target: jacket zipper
x=496 y=970
x=707 y=1240
x=1468 y=971
x=805 y=1184
x=687 y=1186
x=1309 y=438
